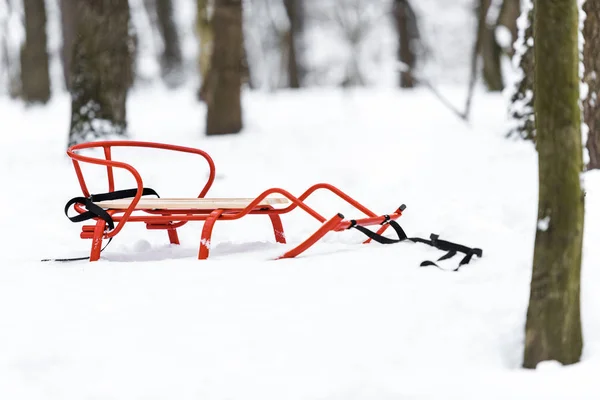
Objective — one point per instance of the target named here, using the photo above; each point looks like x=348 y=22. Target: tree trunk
x=205 y=34
x=67 y=18
x=522 y=100
x=591 y=59
x=171 y=59
x=295 y=13
x=553 y=328
x=489 y=49
x=509 y=13
x=406 y=26
x=100 y=69
x=223 y=86
x=35 y=75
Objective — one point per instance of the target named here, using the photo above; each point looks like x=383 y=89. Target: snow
x=543 y=224
x=344 y=320
x=503 y=36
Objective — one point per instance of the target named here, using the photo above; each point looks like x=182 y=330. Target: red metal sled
x=170 y=214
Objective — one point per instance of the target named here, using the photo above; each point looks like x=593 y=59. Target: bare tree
x=489 y=49
x=67 y=16
x=100 y=71
x=35 y=76
x=553 y=327
x=508 y=16
x=408 y=35
x=224 y=80
x=591 y=59
x=205 y=34
x=171 y=64
x=295 y=12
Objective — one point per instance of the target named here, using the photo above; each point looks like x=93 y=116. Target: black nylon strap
x=122 y=194
x=380 y=238
x=76 y=258
x=95 y=211
x=434 y=241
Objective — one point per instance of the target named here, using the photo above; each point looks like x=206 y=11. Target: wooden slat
x=188 y=203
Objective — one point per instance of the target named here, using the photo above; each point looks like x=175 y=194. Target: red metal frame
x=170 y=220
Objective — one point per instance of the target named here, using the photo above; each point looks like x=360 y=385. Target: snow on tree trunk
x=591 y=59
x=553 y=328
x=521 y=99
x=223 y=85
x=100 y=69
x=35 y=75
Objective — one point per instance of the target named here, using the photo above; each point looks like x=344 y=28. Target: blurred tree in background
x=67 y=15
x=35 y=76
x=509 y=13
x=488 y=48
x=171 y=64
x=408 y=36
x=205 y=36
x=591 y=59
x=294 y=43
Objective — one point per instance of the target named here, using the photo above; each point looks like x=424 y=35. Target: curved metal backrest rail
x=111 y=164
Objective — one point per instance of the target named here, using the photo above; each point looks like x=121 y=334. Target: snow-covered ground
x=342 y=322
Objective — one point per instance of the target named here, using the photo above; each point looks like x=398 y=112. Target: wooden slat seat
x=188 y=203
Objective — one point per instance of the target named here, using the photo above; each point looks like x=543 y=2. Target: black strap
x=76 y=258
x=95 y=211
x=450 y=247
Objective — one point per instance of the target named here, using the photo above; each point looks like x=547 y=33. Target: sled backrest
x=110 y=164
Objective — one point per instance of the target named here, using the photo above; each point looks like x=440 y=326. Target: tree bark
x=295 y=13
x=223 y=86
x=553 y=328
x=591 y=59
x=406 y=27
x=100 y=69
x=35 y=75
x=171 y=58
